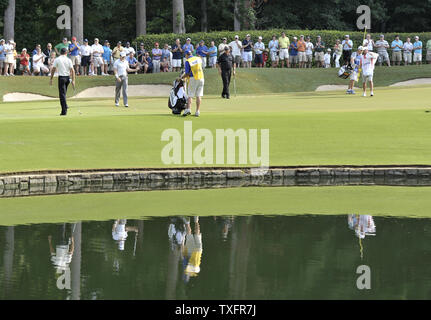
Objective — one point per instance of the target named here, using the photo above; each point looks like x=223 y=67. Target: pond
x=218 y=257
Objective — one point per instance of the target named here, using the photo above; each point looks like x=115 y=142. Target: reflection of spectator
x=61 y=257
x=363 y=225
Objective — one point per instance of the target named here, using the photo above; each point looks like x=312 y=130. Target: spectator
x=417 y=51
x=117 y=50
x=301 y=52
x=141 y=55
x=157 y=54
x=202 y=51
x=166 y=53
x=177 y=53
x=97 y=51
x=51 y=60
x=236 y=47
x=47 y=53
x=2 y=56
x=222 y=45
x=347 y=49
x=35 y=50
x=148 y=68
x=38 y=67
x=247 y=54
x=397 y=46
x=24 y=60
x=212 y=53
x=264 y=58
x=319 y=51
x=9 y=59
x=284 y=44
x=408 y=49
x=273 y=49
x=187 y=47
x=309 y=52
x=74 y=50
x=382 y=45
x=327 y=58
x=428 y=46
x=133 y=63
x=85 y=57
x=164 y=65
x=107 y=54
x=15 y=56
x=259 y=47
x=368 y=42
x=129 y=49
x=63 y=44
x=293 y=53
x=338 y=51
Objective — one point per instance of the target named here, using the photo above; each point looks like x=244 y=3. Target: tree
x=204 y=16
x=236 y=16
x=9 y=21
x=141 y=18
x=78 y=19
x=178 y=16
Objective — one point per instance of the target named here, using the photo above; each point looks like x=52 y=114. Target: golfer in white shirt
x=121 y=68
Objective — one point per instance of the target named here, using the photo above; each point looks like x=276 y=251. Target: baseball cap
x=1 y=40
x=188 y=39
x=122 y=54
x=142 y=44
x=346 y=36
x=201 y=41
x=188 y=52
x=416 y=37
x=260 y=38
x=85 y=40
x=247 y=35
x=295 y=38
x=237 y=37
x=24 y=49
x=226 y=48
x=73 y=38
x=106 y=41
x=64 y=39
x=382 y=35
x=329 y=49
x=96 y=39
x=119 y=42
x=63 y=50
x=360 y=48
x=224 y=38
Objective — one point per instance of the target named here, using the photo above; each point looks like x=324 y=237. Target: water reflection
x=246 y=257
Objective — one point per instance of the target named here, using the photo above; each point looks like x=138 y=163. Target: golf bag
x=178 y=97
x=345 y=71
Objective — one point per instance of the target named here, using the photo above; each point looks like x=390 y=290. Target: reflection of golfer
x=61 y=257
x=119 y=232
x=192 y=251
x=64 y=67
x=121 y=67
x=195 y=86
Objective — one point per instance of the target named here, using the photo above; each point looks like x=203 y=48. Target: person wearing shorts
x=212 y=52
x=382 y=45
x=85 y=57
x=397 y=47
x=273 y=49
x=407 y=52
x=74 y=54
x=236 y=47
x=319 y=53
x=259 y=46
x=97 y=51
x=308 y=52
x=355 y=62
x=284 y=44
x=301 y=52
x=247 y=54
x=9 y=59
x=195 y=75
x=417 y=51
x=177 y=55
x=368 y=61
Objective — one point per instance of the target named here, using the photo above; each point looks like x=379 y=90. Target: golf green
x=304 y=129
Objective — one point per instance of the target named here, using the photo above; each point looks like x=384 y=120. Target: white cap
x=260 y=38
x=329 y=50
x=416 y=37
x=360 y=48
x=237 y=37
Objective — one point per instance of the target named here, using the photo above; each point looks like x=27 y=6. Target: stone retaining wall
x=15 y=185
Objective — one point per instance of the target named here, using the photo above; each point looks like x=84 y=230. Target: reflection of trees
x=75 y=267
x=8 y=260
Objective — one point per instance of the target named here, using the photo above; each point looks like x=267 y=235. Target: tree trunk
x=141 y=18
x=178 y=16
x=236 y=16
x=78 y=20
x=204 y=21
x=9 y=21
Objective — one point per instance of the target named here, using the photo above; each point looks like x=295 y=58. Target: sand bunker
x=332 y=87
x=145 y=90
x=412 y=82
x=19 y=96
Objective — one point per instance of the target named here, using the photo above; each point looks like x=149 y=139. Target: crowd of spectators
x=98 y=59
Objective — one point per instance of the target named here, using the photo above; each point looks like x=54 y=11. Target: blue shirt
x=188 y=47
x=293 y=49
x=200 y=51
x=75 y=51
x=166 y=54
x=188 y=70
x=131 y=60
x=416 y=45
x=212 y=51
x=394 y=43
x=273 y=45
x=150 y=62
x=106 y=53
x=2 y=54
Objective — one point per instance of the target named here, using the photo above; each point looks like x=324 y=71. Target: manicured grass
x=249 y=81
x=376 y=201
x=305 y=129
